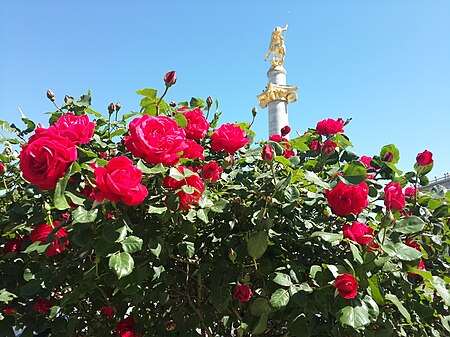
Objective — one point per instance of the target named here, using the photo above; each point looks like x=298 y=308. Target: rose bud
x=242 y=293
x=315 y=146
x=267 y=153
x=118 y=106
x=2 y=168
x=170 y=325
x=425 y=158
x=254 y=111
x=111 y=108
x=209 y=101
x=170 y=78
x=388 y=157
x=285 y=130
x=50 y=95
x=173 y=104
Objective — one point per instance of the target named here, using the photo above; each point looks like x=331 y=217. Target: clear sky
x=384 y=63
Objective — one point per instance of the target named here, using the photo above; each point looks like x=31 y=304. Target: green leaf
x=83 y=216
x=59 y=200
x=313 y=178
x=131 y=244
x=187 y=249
x=402 y=251
x=356 y=253
x=121 y=263
x=409 y=225
x=175 y=174
x=257 y=244
x=282 y=279
x=354 y=172
x=328 y=237
x=36 y=247
x=262 y=325
x=181 y=120
x=375 y=289
x=219 y=206
x=202 y=214
x=394 y=299
x=156 y=210
x=260 y=306
x=441 y=287
x=299 y=327
x=196 y=102
x=6 y=296
x=299 y=144
x=286 y=162
x=147 y=92
x=279 y=299
x=441 y=211
x=356 y=317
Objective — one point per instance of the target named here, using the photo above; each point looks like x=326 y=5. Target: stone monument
x=277 y=94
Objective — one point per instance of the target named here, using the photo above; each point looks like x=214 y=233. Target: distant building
x=443 y=181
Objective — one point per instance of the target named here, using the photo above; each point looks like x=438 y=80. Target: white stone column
x=278 y=114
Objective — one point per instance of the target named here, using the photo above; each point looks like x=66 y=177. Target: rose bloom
x=197 y=126
x=79 y=129
x=108 y=311
x=315 y=145
x=358 y=232
x=277 y=138
x=125 y=327
x=288 y=153
x=410 y=192
x=156 y=139
x=365 y=160
x=346 y=285
x=59 y=243
x=121 y=180
x=229 y=138
x=285 y=130
x=394 y=197
x=330 y=126
x=267 y=153
x=424 y=158
x=43 y=305
x=242 y=293
x=46 y=157
x=328 y=147
x=345 y=199
x=193 y=150
x=13 y=245
x=185 y=199
x=2 y=168
x=211 y=172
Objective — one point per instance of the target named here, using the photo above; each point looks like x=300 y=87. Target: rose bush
x=161 y=224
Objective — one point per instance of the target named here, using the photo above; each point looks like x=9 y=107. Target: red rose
x=346 y=285
x=170 y=78
x=330 y=126
x=277 y=138
x=124 y=326
x=424 y=158
x=267 y=153
x=328 y=147
x=108 y=311
x=43 y=305
x=229 y=138
x=285 y=130
x=411 y=192
x=365 y=160
x=79 y=129
x=315 y=146
x=13 y=245
x=413 y=243
x=193 y=150
x=242 y=293
x=10 y=311
x=46 y=157
x=59 y=243
x=185 y=199
x=211 y=172
x=288 y=153
x=345 y=199
x=156 y=139
x=394 y=197
x=358 y=232
x=121 y=180
x=197 y=124
x=2 y=168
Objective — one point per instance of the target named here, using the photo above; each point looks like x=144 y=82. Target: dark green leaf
x=262 y=325
x=394 y=299
x=354 y=172
x=260 y=306
x=81 y=215
x=257 y=244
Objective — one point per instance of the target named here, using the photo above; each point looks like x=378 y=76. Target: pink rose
x=58 y=245
x=193 y=150
x=345 y=199
x=79 y=129
x=46 y=158
x=359 y=233
x=242 y=293
x=411 y=192
x=229 y=138
x=424 y=158
x=346 y=285
x=186 y=200
x=394 y=197
x=328 y=147
x=197 y=124
x=156 y=139
x=43 y=305
x=121 y=180
x=211 y=172
x=267 y=153
x=330 y=126
x=365 y=160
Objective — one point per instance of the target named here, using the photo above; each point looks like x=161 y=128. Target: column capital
x=275 y=92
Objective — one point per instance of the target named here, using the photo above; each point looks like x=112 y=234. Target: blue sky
x=384 y=63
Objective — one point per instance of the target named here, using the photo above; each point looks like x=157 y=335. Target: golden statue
x=277 y=47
